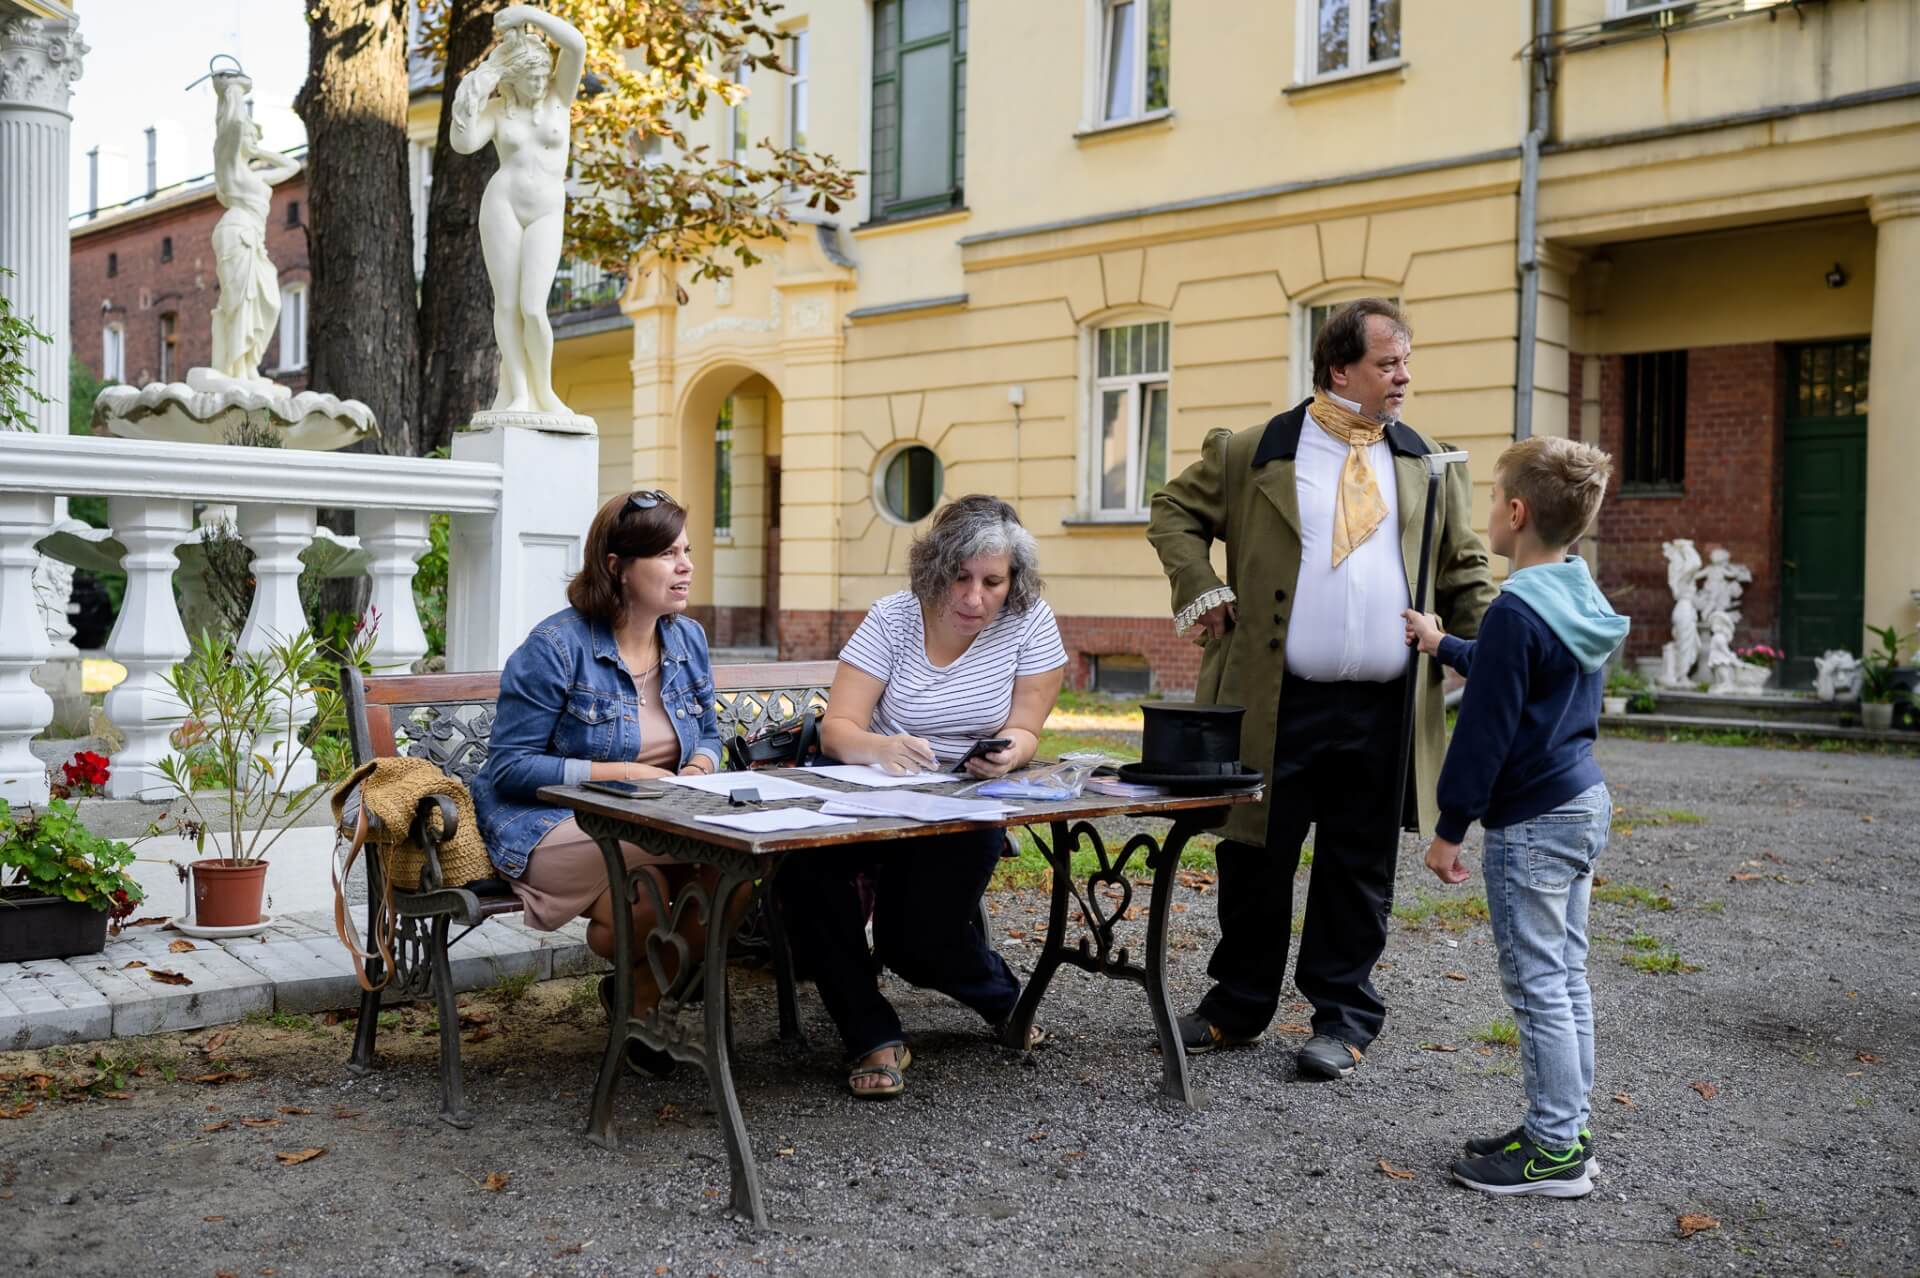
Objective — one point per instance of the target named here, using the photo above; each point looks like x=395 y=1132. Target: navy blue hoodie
x=1524 y=741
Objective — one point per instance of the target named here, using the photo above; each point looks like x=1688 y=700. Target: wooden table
x=666 y=826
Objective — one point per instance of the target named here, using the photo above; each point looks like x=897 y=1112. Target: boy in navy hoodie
x=1521 y=763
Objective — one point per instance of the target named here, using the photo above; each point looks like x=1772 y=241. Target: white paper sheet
x=874 y=778
x=768 y=820
x=770 y=787
x=913 y=806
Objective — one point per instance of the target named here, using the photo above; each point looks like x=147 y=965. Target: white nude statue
x=522 y=214
x=249 y=307
x=1683 y=651
x=1722 y=582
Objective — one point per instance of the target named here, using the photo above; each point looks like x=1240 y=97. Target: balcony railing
x=583 y=286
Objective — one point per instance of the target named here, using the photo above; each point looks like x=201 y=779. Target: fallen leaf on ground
x=1741 y=877
x=259 y=1122
x=1866 y=1058
x=299 y=1156
x=128 y=967
x=1438 y=1047
x=18 y=1111
x=1036 y=1136
x=1693 y=1222
x=225 y=1273
x=294 y=1109
x=117 y=1095
x=1016 y=934
x=495 y=1182
x=1293 y=1027
x=1623 y=1099
x=1398 y=1173
x=786 y=1151
x=1074 y=1153
x=1455 y=976
x=165 y=977
x=216 y=1042
x=480 y=1035
x=147 y=921
x=348 y=1113
x=1178 y=908
x=181 y=947
x=1707 y=1090
x=224 y=1076
x=213 y=1220
x=220 y=1126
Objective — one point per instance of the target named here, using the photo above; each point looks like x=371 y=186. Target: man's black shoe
x=1326 y=1057
x=1199 y=1035
x=1481 y=1146
x=1522 y=1167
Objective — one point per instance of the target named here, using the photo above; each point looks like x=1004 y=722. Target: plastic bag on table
x=1062 y=780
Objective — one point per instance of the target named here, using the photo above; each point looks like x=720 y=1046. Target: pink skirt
x=566 y=873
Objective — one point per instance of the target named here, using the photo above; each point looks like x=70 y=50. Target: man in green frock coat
x=1320 y=511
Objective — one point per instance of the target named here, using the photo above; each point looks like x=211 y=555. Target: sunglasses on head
x=645 y=499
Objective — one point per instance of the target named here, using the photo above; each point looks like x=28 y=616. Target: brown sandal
x=895 y=1074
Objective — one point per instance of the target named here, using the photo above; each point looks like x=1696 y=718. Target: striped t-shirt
x=950 y=707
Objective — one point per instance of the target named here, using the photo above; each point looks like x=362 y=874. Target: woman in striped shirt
x=970 y=652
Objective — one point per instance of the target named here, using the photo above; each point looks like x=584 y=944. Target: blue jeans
x=1539 y=883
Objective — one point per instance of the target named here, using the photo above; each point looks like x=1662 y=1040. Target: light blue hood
x=1565 y=596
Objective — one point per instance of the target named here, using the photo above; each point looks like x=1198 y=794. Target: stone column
x=39 y=61
x=1893 y=462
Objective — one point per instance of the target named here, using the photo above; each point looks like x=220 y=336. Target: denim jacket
x=567 y=702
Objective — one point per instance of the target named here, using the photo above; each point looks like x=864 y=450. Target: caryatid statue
x=521 y=99
x=249 y=307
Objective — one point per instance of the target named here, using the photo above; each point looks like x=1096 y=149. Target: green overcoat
x=1242 y=493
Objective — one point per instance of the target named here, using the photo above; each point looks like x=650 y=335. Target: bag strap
x=382 y=924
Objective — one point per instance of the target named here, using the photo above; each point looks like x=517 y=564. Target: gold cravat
x=1358 y=508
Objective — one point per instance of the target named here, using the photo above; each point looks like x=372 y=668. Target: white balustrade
x=394 y=541
x=520 y=500
x=25 y=707
x=148 y=640
x=276 y=535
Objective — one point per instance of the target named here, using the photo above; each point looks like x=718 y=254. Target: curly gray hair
x=971 y=526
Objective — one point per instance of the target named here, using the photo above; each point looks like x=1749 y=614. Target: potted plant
x=1765 y=656
x=235 y=702
x=61 y=885
x=1627 y=690
x=1880 y=686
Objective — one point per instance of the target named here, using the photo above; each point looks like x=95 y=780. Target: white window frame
x=799 y=86
x=723 y=433
x=739 y=119
x=293 y=328
x=1093 y=113
x=1136 y=386
x=113 y=352
x=1618 y=10
x=1303 y=308
x=1308 y=42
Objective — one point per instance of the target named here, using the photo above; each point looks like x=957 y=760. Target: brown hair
x=629 y=531
x=1344 y=339
x=1561 y=480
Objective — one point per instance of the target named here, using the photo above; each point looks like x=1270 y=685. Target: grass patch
x=1626 y=818
x=1647 y=954
x=1763 y=740
x=583 y=1000
x=509 y=990
x=290 y=1021
x=1073 y=701
x=1632 y=894
x=1501 y=1032
x=1715 y=907
x=1454 y=913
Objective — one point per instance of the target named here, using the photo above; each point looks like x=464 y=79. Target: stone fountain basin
x=209 y=411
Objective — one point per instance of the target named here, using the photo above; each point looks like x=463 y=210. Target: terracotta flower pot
x=228 y=893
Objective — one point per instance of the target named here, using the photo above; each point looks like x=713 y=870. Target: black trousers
x=1335 y=754
x=925 y=893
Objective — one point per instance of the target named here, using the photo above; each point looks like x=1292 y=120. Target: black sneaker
x=1522 y=1167
x=1199 y=1035
x=1481 y=1146
x=1325 y=1058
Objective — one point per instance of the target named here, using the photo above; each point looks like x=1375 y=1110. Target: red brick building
x=144 y=285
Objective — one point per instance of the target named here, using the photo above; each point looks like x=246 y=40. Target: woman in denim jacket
x=618 y=686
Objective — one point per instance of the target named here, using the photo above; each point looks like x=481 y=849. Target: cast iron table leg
x=1165 y=861
x=1060 y=857
x=600 y=1128
x=745 y=1201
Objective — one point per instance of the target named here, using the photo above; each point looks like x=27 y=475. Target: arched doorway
x=730 y=442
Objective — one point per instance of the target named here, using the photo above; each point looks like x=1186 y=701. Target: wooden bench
x=448 y=719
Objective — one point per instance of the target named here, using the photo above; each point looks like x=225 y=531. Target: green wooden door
x=1823 y=536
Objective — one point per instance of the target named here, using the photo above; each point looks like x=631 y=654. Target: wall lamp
x=1837 y=277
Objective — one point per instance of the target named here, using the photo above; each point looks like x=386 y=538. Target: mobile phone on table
x=624 y=789
x=986 y=745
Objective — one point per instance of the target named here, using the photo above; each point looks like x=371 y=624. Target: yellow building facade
x=1092 y=230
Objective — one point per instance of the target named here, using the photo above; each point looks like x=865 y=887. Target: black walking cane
x=1437 y=464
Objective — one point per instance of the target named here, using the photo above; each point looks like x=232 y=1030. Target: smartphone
x=623 y=789
x=986 y=745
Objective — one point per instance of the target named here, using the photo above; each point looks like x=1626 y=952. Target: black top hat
x=1190 y=747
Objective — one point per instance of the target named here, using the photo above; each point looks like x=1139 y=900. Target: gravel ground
x=1771 y=1085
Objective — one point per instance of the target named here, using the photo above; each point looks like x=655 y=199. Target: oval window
x=910 y=484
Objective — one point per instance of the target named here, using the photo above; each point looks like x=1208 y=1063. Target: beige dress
x=566 y=872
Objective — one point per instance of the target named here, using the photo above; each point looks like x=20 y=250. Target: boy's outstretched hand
x=1443 y=858
x=1424 y=629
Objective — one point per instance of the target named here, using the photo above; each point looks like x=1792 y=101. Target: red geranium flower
x=87 y=771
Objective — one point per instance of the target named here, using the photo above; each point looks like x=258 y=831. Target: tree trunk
x=460 y=364
x=365 y=336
